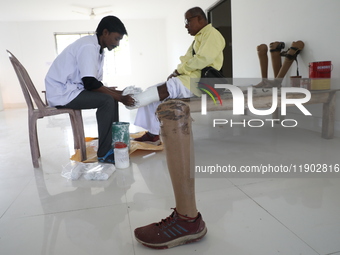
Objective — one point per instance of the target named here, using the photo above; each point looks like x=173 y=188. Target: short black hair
x=197 y=11
x=112 y=24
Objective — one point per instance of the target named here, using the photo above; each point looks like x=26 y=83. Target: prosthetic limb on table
x=275 y=53
x=290 y=56
x=263 y=58
x=262 y=50
x=280 y=71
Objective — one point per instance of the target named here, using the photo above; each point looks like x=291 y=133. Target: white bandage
x=131 y=90
x=149 y=96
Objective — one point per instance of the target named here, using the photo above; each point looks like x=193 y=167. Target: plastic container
x=121 y=151
x=305 y=83
x=295 y=81
x=120 y=133
x=320 y=75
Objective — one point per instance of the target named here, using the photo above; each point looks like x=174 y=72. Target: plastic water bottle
x=121 y=155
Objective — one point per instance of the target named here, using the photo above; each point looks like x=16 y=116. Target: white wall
x=157 y=44
x=178 y=39
x=33 y=44
x=263 y=21
x=313 y=21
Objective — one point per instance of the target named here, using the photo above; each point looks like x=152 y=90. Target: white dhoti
x=146 y=116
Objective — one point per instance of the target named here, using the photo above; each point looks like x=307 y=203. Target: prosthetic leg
x=275 y=53
x=290 y=56
x=176 y=133
x=262 y=50
x=280 y=71
x=185 y=224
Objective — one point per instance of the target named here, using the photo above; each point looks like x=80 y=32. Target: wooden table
x=264 y=100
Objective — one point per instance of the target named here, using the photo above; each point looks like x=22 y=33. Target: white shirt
x=80 y=59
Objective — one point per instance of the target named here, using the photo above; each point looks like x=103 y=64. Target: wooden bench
x=264 y=100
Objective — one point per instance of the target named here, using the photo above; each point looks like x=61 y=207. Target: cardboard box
x=320 y=84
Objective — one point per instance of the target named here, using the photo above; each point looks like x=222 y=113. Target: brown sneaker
x=149 y=138
x=172 y=231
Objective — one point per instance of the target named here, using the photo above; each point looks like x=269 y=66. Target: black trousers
x=107 y=113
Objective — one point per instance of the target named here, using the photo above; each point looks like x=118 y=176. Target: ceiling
x=35 y=10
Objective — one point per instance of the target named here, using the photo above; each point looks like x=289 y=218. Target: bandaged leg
x=262 y=50
x=290 y=56
x=144 y=98
x=146 y=117
x=174 y=117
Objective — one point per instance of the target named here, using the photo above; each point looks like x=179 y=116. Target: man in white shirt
x=74 y=81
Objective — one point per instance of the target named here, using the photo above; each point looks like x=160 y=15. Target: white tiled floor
x=43 y=213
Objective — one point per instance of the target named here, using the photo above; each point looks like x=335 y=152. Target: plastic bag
x=89 y=171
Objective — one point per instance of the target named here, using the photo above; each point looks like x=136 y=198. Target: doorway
x=219 y=15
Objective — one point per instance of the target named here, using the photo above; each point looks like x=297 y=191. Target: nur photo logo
x=279 y=99
x=206 y=87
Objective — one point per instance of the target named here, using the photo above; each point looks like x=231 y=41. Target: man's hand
x=174 y=74
x=117 y=95
x=127 y=100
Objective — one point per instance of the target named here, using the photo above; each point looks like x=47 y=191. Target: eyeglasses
x=186 y=21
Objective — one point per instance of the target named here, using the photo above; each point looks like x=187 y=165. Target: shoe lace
x=173 y=218
x=168 y=220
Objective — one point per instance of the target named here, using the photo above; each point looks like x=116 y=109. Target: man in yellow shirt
x=206 y=50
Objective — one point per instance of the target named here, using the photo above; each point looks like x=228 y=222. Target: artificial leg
x=176 y=133
x=290 y=56
x=263 y=58
x=185 y=224
x=275 y=53
x=262 y=50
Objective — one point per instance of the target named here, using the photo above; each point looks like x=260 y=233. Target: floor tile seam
x=333 y=253
x=216 y=189
x=251 y=183
x=19 y=194
x=276 y=219
x=127 y=207
x=169 y=196
x=130 y=226
x=61 y=212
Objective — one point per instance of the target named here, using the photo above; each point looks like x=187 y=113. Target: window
x=117 y=62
